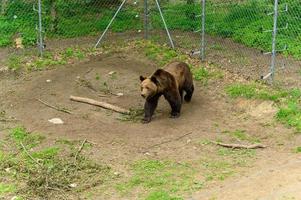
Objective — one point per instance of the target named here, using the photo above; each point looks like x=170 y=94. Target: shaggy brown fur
x=171 y=82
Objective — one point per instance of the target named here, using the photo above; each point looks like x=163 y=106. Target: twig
x=87 y=72
x=88 y=141
x=167 y=141
x=80 y=149
x=7 y=120
x=240 y=146
x=57 y=189
x=56 y=108
x=30 y=156
x=101 y=104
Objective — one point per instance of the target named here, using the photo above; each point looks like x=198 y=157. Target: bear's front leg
x=149 y=109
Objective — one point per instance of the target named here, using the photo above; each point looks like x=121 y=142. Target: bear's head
x=149 y=87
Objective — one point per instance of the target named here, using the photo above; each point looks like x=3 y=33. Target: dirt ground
x=274 y=174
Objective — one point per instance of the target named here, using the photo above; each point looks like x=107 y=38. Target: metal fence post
x=145 y=19
x=273 y=58
x=203 y=31
x=40 y=44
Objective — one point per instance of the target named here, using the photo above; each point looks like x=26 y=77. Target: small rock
x=14 y=198
x=116 y=173
x=56 y=121
x=48 y=80
x=147 y=154
x=78 y=77
x=119 y=94
x=73 y=185
x=7 y=169
x=112 y=72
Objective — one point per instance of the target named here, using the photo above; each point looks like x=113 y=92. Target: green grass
x=161 y=195
x=134 y=116
x=19 y=134
x=288 y=101
x=5 y=188
x=256 y=91
x=242 y=135
x=201 y=74
x=31 y=61
x=154 y=175
x=163 y=179
x=298 y=149
x=158 y=53
x=163 y=55
x=290 y=114
x=243 y=22
x=40 y=170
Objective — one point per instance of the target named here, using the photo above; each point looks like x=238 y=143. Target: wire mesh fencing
x=232 y=29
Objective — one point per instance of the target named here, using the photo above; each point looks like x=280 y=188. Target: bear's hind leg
x=189 y=91
x=181 y=91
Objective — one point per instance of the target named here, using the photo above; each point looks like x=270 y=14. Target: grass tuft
x=47 y=171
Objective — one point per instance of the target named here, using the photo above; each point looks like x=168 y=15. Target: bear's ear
x=142 y=78
x=154 y=80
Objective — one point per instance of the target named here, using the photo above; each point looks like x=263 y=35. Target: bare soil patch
x=119 y=143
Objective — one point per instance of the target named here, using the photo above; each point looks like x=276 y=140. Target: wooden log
x=100 y=104
x=239 y=146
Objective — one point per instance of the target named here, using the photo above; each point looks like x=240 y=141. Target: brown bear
x=171 y=82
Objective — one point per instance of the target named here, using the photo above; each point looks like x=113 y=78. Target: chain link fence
x=233 y=28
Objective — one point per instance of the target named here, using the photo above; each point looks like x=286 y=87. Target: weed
x=217 y=169
x=298 y=149
x=242 y=135
x=289 y=100
x=104 y=87
x=49 y=171
x=14 y=62
x=134 y=116
x=153 y=175
x=19 y=134
x=160 y=54
x=97 y=77
x=217 y=47
x=290 y=115
x=5 y=188
x=113 y=76
x=49 y=59
x=201 y=74
x=161 y=195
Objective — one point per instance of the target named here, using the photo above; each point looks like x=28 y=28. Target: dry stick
x=239 y=146
x=30 y=156
x=8 y=120
x=101 y=104
x=80 y=149
x=167 y=141
x=56 y=108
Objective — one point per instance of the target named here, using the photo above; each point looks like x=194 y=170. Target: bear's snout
x=143 y=95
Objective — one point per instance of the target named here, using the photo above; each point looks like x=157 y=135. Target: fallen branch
x=80 y=149
x=53 y=107
x=167 y=141
x=101 y=104
x=240 y=146
x=28 y=154
x=8 y=120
